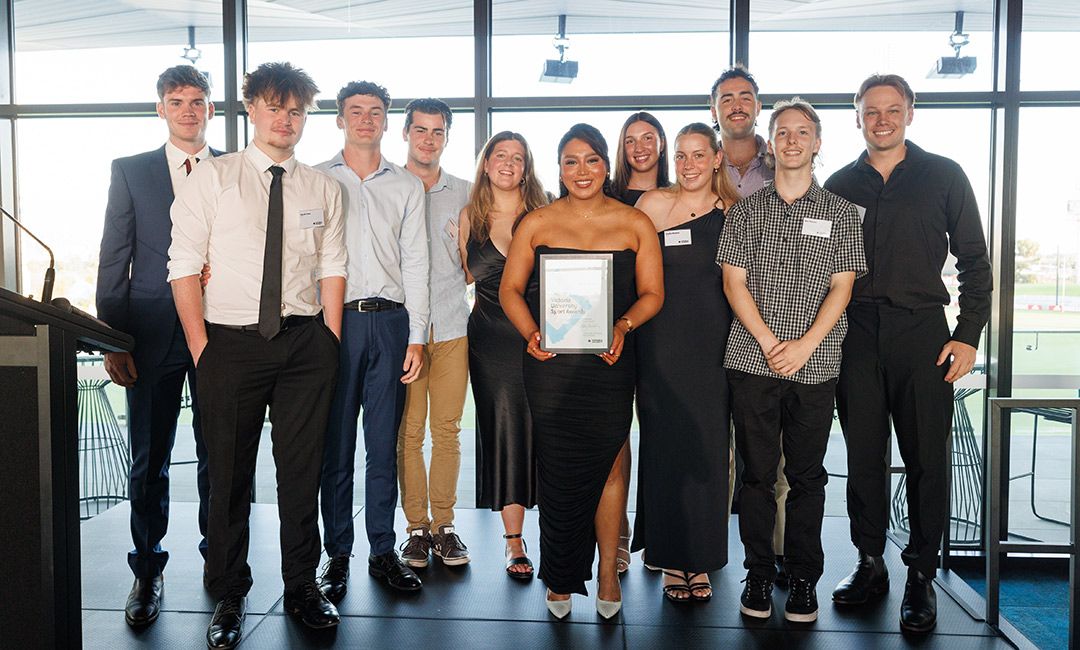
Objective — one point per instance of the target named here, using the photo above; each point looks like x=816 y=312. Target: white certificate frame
x=576 y=302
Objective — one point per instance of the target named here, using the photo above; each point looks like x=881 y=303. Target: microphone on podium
x=50 y=273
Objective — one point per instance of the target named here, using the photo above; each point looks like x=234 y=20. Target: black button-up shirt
x=790 y=253
x=911 y=223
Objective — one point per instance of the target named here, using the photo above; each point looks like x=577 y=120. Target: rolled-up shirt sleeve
x=415 y=265
x=332 y=255
x=192 y=215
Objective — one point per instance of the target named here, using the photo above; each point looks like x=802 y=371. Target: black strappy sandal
x=691 y=585
x=671 y=590
x=518 y=561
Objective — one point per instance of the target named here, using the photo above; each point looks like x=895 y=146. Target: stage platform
x=477 y=606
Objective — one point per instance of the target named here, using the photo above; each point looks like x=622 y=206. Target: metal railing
x=997 y=508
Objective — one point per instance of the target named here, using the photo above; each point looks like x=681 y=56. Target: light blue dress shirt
x=449 y=305
x=385 y=237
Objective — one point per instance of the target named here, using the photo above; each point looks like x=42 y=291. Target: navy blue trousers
x=153 y=407
x=373 y=348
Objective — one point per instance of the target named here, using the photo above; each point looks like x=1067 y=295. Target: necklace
x=587 y=214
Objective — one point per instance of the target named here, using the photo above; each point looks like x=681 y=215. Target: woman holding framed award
x=592 y=271
x=641 y=158
x=682 y=390
x=506 y=187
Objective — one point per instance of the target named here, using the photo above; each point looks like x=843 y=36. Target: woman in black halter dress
x=582 y=403
x=506 y=187
x=682 y=391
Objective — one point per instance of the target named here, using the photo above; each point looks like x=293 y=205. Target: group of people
x=743 y=293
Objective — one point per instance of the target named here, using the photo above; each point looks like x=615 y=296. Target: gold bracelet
x=629 y=324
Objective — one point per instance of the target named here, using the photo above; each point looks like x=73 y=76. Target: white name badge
x=677 y=237
x=312 y=218
x=861 y=211
x=817 y=227
x=451 y=229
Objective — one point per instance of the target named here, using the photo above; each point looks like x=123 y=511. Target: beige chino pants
x=442 y=383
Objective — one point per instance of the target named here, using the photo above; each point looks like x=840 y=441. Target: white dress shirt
x=386 y=236
x=175 y=158
x=219 y=217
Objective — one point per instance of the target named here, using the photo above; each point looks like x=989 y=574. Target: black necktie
x=270 y=298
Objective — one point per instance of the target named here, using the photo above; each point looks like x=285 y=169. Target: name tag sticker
x=312 y=218
x=862 y=212
x=817 y=227
x=451 y=229
x=677 y=237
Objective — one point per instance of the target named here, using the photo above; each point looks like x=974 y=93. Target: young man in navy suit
x=134 y=296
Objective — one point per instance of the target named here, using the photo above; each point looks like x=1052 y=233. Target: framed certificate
x=575 y=302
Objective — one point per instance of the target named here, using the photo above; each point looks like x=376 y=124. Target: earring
x=521 y=182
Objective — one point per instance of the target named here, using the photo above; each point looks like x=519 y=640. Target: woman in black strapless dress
x=682 y=390
x=641 y=164
x=582 y=403
x=506 y=188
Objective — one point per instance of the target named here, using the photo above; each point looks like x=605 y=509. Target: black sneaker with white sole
x=448 y=547
x=801 y=604
x=756 y=600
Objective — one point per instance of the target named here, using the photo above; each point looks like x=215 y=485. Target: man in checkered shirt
x=790 y=253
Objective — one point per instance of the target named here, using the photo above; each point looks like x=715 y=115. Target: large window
x=96 y=52
x=812 y=47
x=619 y=47
x=64 y=204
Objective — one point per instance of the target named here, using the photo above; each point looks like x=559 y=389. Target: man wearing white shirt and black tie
x=384 y=329
x=271 y=228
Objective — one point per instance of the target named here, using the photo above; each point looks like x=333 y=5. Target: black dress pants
x=888 y=369
x=240 y=374
x=764 y=410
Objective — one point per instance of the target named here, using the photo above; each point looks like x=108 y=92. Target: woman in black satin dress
x=506 y=187
x=641 y=164
x=682 y=391
x=582 y=404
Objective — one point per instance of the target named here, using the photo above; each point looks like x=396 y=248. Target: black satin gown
x=683 y=409
x=505 y=469
x=581 y=409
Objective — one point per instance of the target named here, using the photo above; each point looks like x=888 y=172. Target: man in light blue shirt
x=384 y=329
x=445 y=374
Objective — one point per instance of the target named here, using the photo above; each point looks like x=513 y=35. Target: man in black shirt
x=917 y=207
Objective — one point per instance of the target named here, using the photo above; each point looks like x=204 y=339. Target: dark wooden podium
x=39 y=469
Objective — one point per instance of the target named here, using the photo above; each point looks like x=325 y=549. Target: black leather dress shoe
x=388 y=567
x=227 y=626
x=307 y=602
x=918 y=611
x=869 y=577
x=334 y=581
x=144 y=601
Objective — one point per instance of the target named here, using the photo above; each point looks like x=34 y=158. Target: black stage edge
x=477 y=606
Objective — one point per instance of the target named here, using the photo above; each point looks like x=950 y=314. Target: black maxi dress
x=505 y=468
x=582 y=409
x=683 y=407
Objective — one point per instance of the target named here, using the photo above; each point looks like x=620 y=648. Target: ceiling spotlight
x=560 y=70
x=954 y=67
x=191 y=53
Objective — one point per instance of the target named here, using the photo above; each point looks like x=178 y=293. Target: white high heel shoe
x=559 y=608
x=606 y=608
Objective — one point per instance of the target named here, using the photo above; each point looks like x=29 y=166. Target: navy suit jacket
x=133 y=292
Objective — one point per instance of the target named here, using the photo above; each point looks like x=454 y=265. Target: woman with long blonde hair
x=506 y=188
x=682 y=392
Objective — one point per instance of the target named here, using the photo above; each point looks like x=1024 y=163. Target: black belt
x=373 y=305
x=286 y=323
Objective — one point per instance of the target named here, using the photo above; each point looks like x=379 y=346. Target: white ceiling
x=66 y=24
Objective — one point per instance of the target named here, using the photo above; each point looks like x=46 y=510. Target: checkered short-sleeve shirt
x=790 y=253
